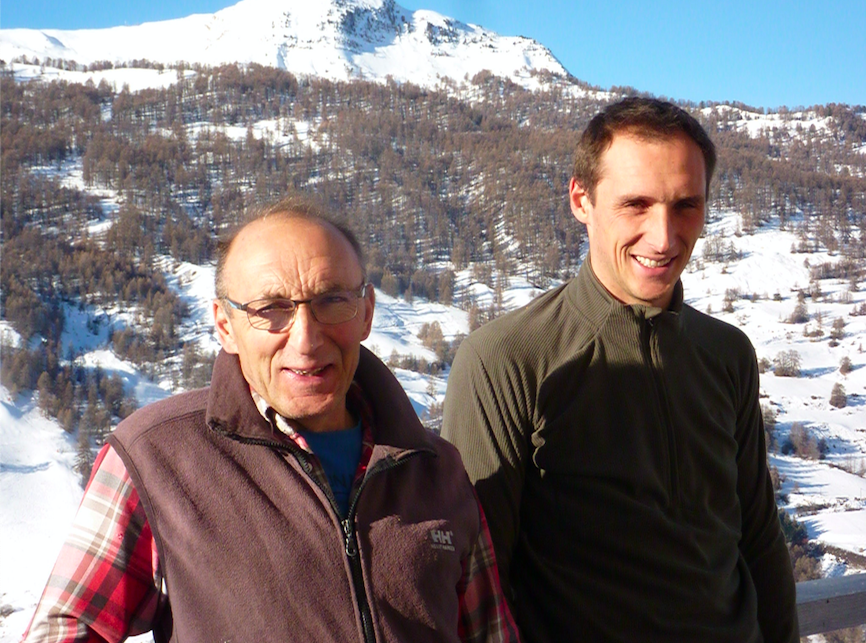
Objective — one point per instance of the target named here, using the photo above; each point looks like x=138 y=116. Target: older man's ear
x=223 y=326
x=368 y=307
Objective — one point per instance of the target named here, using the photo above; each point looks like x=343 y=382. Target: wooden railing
x=831 y=604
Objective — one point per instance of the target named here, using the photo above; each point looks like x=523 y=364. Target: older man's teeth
x=651 y=263
x=301 y=372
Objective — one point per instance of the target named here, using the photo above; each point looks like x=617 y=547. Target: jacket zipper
x=351 y=541
x=350 y=536
x=650 y=347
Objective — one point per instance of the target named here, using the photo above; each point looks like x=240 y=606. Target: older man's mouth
x=307 y=372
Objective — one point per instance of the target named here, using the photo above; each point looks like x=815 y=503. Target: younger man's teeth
x=651 y=263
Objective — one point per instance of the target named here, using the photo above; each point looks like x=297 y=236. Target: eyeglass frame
x=360 y=293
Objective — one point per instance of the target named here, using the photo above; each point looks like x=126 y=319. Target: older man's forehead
x=291 y=232
x=278 y=255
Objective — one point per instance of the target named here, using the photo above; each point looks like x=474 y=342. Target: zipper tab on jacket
x=349 y=537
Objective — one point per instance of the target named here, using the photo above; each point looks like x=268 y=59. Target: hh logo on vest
x=442 y=539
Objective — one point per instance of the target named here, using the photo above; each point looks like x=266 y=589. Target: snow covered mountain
x=756 y=288
x=335 y=39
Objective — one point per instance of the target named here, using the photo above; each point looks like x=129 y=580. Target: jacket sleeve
x=105 y=584
x=763 y=544
x=483 y=419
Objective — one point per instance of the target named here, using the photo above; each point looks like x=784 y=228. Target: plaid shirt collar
x=360 y=407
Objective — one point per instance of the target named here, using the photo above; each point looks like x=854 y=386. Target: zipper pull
x=349 y=537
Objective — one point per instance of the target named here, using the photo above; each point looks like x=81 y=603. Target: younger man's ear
x=580 y=202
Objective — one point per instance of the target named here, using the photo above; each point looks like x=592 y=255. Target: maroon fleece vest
x=249 y=545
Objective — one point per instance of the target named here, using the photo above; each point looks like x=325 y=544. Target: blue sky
x=765 y=53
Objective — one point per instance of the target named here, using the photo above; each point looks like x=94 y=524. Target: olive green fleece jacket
x=619 y=455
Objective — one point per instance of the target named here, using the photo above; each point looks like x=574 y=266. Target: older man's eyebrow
x=272 y=293
x=325 y=288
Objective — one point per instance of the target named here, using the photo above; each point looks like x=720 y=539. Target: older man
x=614 y=433
x=297 y=498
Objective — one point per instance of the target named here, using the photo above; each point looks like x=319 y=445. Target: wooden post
x=831 y=604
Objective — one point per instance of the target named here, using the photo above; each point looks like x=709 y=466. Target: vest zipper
x=350 y=536
x=651 y=349
x=351 y=541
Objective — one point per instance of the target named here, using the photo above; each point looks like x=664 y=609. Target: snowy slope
x=336 y=39
x=827 y=496
x=39 y=490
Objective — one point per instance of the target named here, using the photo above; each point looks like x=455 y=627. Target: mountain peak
x=336 y=39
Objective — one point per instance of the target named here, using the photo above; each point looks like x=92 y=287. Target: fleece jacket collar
x=589 y=296
x=396 y=427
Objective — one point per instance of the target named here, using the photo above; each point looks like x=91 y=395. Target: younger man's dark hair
x=646 y=118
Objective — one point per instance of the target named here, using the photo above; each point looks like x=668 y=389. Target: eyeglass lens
x=277 y=314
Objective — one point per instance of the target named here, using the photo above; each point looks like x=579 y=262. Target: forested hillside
x=453 y=192
x=433 y=181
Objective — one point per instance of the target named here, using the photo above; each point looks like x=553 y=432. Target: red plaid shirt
x=107 y=583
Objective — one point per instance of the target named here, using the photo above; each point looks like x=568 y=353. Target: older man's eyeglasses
x=275 y=315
